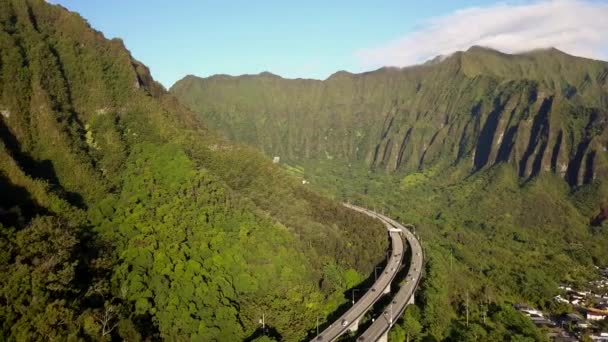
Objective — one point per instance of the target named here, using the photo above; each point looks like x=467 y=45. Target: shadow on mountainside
x=42 y=169
x=17 y=207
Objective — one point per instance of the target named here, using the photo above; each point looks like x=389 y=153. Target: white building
x=595 y=315
x=601 y=337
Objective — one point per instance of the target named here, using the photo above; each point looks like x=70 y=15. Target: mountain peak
x=475 y=49
x=268 y=74
x=481 y=48
x=340 y=74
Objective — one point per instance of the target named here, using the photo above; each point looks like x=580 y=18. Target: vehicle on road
x=344 y=322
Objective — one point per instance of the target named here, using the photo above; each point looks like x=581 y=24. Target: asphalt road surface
x=341 y=325
x=395 y=308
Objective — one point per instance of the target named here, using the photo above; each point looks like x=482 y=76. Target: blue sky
x=310 y=39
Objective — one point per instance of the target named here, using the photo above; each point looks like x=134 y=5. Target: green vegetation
x=542 y=112
x=122 y=217
x=499 y=160
x=488 y=237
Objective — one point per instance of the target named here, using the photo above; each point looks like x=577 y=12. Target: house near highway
x=596 y=315
x=602 y=337
x=531 y=312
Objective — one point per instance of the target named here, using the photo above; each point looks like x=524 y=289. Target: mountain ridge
x=487 y=97
x=500 y=161
x=432 y=61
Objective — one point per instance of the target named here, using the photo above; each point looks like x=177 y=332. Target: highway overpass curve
x=384 y=322
x=336 y=329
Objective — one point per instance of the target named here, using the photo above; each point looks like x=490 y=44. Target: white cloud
x=576 y=27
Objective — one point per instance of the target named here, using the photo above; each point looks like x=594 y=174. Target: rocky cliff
x=542 y=111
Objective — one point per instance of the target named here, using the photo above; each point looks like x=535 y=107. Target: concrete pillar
x=354 y=326
x=387 y=290
x=384 y=337
x=411 y=300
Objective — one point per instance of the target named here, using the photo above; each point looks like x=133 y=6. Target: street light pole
x=317 y=326
x=353 y=295
x=391 y=321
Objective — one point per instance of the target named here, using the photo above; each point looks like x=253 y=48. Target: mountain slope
x=123 y=217
x=543 y=111
x=498 y=160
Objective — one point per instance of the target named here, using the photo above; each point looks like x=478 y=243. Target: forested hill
x=121 y=216
x=542 y=111
x=499 y=160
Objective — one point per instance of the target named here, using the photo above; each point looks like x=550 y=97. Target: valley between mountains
x=132 y=212
x=499 y=159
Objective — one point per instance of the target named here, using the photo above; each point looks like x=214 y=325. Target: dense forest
x=126 y=216
x=499 y=160
x=123 y=217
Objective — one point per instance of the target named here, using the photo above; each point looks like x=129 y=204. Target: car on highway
x=344 y=322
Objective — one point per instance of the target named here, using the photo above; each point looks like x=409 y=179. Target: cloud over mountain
x=574 y=26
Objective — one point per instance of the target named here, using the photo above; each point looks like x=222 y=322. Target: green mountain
x=499 y=160
x=123 y=217
x=543 y=111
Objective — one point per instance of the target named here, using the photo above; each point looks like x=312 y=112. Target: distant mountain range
x=499 y=160
x=542 y=111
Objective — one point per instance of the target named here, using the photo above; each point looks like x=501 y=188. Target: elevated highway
x=349 y=321
x=379 y=329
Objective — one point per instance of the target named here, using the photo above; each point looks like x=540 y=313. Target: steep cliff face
x=543 y=111
x=66 y=94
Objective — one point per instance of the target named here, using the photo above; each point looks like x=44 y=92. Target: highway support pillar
x=384 y=337
x=354 y=326
x=387 y=289
x=411 y=300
